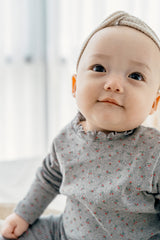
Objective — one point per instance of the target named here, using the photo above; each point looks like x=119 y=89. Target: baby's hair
x=121 y=18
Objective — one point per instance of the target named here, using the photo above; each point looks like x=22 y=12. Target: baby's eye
x=137 y=76
x=98 y=68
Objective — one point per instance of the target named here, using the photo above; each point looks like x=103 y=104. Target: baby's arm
x=14 y=226
x=43 y=190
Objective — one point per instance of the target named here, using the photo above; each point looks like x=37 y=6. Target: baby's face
x=117 y=79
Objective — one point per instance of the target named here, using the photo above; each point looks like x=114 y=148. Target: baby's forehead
x=119 y=31
x=124 y=35
x=129 y=42
x=121 y=18
x=134 y=48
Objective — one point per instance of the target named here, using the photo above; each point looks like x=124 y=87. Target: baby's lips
x=110 y=100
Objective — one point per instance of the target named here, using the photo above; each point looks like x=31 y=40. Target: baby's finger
x=9 y=235
x=8 y=231
x=18 y=231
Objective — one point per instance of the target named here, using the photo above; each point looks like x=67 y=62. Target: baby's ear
x=74 y=85
x=155 y=103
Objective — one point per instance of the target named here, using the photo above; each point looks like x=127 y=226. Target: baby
x=104 y=161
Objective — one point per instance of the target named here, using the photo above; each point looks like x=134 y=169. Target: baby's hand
x=14 y=226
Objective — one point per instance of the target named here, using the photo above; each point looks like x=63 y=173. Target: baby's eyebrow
x=134 y=62
x=99 y=55
x=140 y=64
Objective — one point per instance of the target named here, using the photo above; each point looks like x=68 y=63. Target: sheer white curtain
x=22 y=79
x=39 y=44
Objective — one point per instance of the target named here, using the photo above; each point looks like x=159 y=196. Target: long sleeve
x=42 y=191
x=156 y=185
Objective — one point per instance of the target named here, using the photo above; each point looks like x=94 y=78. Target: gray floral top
x=112 y=183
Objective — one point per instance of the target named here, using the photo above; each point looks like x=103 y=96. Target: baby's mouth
x=111 y=101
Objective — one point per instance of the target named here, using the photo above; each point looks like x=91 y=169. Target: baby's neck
x=87 y=129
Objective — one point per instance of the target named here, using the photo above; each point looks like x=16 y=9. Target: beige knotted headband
x=121 y=18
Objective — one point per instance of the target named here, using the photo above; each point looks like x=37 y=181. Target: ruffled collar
x=96 y=135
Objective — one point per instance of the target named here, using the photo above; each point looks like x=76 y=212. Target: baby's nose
x=114 y=84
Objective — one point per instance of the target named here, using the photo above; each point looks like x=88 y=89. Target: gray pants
x=46 y=228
